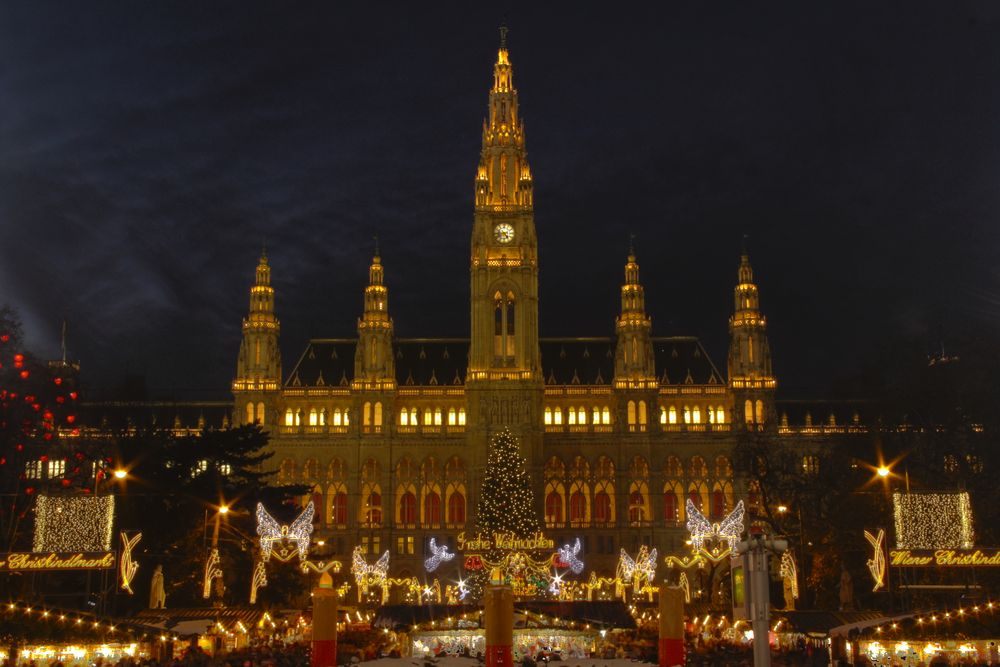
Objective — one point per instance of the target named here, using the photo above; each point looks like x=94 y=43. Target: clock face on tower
x=504 y=232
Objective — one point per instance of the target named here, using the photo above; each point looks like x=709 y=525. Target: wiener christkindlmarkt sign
x=944 y=557
x=38 y=562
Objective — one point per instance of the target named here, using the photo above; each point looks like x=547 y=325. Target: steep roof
x=442 y=362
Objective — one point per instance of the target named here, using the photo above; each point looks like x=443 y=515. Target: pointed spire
x=503 y=35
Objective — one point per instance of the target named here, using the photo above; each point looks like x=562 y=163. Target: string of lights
x=73 y=523
x=933 y=520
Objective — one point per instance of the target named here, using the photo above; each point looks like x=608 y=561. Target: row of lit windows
x=579 y=415
x=692 y=414
x=585 y=510
x=53 y=468
x=318 y=417
x=431 y=417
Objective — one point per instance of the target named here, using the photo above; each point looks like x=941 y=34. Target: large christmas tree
x=506 y=501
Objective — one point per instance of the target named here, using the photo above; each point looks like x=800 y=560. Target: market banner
x=55 y=560
x=944 y=557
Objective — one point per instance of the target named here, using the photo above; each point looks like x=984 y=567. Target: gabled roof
x=426 y=362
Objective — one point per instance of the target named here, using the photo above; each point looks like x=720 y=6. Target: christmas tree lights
x=506 y=503
x=73 y=523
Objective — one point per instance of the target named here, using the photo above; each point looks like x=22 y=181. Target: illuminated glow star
x=729 y=530
x=298 y=531
x=439 y=554
x=568 y=558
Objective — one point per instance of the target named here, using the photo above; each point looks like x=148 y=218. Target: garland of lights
x=790 y=573
x=73 y=523
x=433 y=592
x=258 y=580
x=439 y=554
x=298 y=531
x=212 y=572
x=933 y=520
x=80 y=620
x=877 y=563
x=126 y=566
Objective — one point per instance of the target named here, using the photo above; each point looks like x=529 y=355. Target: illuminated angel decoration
x=369 y=575
x=298 y=531
x=439 y=554
x=729 y=530
x=641 y=571
x=567 y=557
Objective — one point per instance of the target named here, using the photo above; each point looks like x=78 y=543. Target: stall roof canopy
x=196 y=620
x=819 y=622
x=604 y=614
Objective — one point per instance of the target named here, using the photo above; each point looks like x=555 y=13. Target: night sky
x=147 y=149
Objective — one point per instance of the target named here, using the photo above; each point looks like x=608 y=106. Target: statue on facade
x=157 y=594
x=846 y=589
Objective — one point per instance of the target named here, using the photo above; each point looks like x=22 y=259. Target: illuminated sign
x=503 y=542
x=36 y=562
x=944 y=558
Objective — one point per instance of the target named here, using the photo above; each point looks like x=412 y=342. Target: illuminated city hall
x=393 y=434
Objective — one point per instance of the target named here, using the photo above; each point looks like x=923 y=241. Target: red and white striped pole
x=671 y=626
x=499 y=611
x=324 y=624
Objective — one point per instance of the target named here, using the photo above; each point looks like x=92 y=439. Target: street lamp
x=121 y=473
x=882 y=471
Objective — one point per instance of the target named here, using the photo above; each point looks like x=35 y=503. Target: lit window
x=404 y=417
x=260 y=413
x=642 y=412
x=672 y=415
x=378 y=414
x=428 y=417
x=606 y=415
x=557 y=416
x=336 y=417
x=437 y=416
x=696 y=414
x=663 y=415
x=199 y=468
x=452 y=417
x=289 y=418
x=249 y=413
x=596 y=416
x=548 y=416
x=631 y=413
x=720 y=415
x=687 y=414
x=581 y=416
x=413 y=417
x=461 y=416
x=313 y=417
x=57 y=468
x=571 y=416
x=322 y=417
x=225 y=469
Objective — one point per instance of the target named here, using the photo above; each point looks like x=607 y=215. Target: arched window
x=432 y=510
x=404 y=417
x=602 y=508
x=286 y=471
x=717 y=504
x=720 y=415
x=407 y=509
x=696 y=414
x=313 y=417
x=695 y=497
x=571 y=416
x=461 y=416
x=606 y=415
x=630 y=409
x=553 y=508
x=371 y=495
x=456 y=509
x=642 y=413
x=596 y=416
x=378 y=414
x=687 y=414
x=413 y=417
x=310 y=469
x=366 y=414
x=336 y=498
x=298 y=417
x=759 y=411
x=452 y=417
x=249 y=413
x=557 y=416
x=548 y=416
x=663 y=415
x=428 y=417
x=322 y=417
x=289 y=417
x=504 y=328
x=260 y=413
x=636 y=507
x=670 y=506
x=578 y=508
x=373 y=509
x=672 y=415
x=748 y=411
x=581 y=416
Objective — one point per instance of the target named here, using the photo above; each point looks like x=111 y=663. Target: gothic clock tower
x=504 y=382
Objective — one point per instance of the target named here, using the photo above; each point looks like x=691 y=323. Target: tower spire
x=634 y=365
x=258 y=367
x=750 y=375
x=374 y=364
x=503 y=35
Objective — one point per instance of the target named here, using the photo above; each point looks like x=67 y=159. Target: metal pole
x=760 y=585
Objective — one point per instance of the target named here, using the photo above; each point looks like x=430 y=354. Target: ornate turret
x=258 y=367
x=374 y=365
x=634 y=365
x=750 y=376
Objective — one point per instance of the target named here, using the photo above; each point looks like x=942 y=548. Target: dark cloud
x=148 y=149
